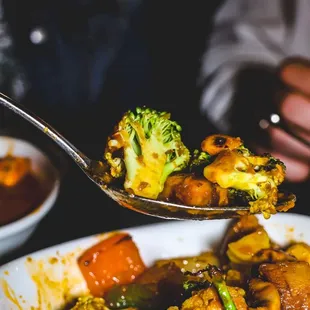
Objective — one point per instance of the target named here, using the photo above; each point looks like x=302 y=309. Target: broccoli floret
x=151 y=148
x=199 y=160
x=239 y=197
x=271 y=164
x=249 y=178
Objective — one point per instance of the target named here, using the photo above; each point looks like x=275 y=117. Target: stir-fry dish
x=20 y=191
x=146 y=154
x=247 y=271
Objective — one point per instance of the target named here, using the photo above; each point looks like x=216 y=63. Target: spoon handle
x=80 y=159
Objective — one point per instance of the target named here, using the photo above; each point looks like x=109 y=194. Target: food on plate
x=146 y=147
x=120 y=258
x=247 y=271
x=20 y=190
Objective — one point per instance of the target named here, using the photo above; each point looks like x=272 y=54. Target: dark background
x=156 y=66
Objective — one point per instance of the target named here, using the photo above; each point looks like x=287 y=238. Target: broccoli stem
x=217 y=280
x=224 y=295
x=220 y=285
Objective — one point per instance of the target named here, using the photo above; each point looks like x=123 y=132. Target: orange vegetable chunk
x=115 y=260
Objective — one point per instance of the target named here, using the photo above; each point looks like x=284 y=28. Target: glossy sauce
x=21 y=199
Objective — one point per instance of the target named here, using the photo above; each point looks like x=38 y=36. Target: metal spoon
x=97 y=172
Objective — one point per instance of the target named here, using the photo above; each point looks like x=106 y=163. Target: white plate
x=43 y=279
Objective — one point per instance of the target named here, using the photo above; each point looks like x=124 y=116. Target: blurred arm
x=245 y=33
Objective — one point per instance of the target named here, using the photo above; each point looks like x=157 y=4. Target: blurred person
x=79 y=64
x=257 y=63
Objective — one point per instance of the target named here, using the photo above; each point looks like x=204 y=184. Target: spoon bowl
x=97 y=171
x=175 y=211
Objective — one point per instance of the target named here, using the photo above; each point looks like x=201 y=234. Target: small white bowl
x=15 y=234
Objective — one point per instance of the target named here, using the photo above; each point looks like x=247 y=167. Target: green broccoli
x=199 y=160
x=221 y=287
x=250 y=179
x=271 y=164
x=151 y=149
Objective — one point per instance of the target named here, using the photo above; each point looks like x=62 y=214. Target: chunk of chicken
x=264 y=295
x=292 y=280
x=193 y=191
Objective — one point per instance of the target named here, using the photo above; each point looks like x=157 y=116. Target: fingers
x=284 y=143
x=295 y=109
x=297 y=76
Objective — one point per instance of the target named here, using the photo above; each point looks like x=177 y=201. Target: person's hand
x=294 y=109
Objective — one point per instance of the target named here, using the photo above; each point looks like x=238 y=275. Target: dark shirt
x=90 y=65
